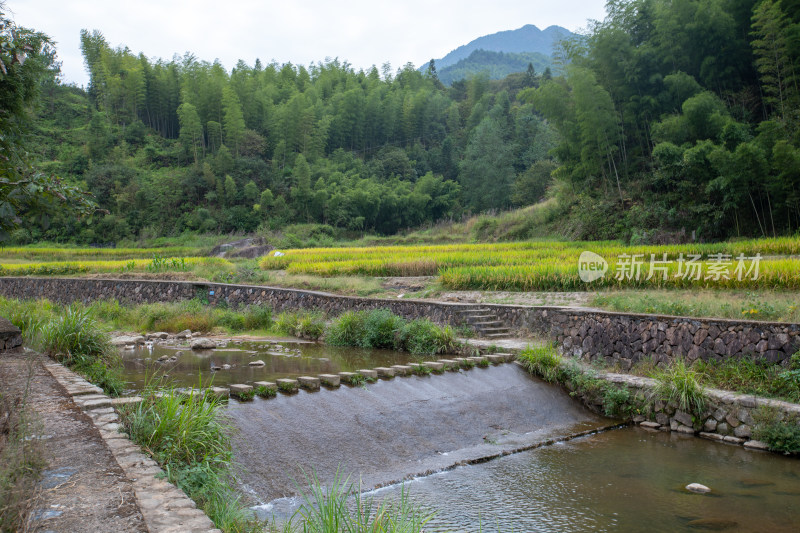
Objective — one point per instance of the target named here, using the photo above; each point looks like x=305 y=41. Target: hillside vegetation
x=672 y=119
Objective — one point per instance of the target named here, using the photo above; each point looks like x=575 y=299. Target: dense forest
x=670 y=117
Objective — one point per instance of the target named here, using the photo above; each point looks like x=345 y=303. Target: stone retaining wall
x=728 y=416
x=625 y=338
x=617 y=337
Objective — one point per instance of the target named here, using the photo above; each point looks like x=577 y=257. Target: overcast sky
x=363 y=32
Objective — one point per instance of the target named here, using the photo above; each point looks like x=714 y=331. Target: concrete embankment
x=397 y=428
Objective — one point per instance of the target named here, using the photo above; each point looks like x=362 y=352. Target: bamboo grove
x=667 y=118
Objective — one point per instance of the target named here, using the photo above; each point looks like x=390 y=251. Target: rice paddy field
x=757 y=264
x=554 y=266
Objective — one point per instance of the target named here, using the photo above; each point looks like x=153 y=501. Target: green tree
x=233 y=120
x=26 y=58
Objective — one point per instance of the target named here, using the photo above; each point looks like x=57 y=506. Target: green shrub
x=346 y=330
x=616 y=399
x=421 y=336
x=780 y=435
x=302 y=324
x=680 y=385
x=257 y=317
x=380 y=329
x=543 y=361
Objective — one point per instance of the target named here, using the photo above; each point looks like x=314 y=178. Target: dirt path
x=83 y=487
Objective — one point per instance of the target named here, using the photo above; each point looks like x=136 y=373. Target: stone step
x=495 y=335
x=488 y=324
x=479 y=310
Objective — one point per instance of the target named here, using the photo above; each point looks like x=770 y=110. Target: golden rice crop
x=77 y=254
x=56 y=268
x=542 y=265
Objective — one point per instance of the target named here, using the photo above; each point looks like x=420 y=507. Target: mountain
x=497 y=64
x=503 y=52
x=528 y=38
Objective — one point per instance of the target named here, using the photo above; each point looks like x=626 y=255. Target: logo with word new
x=591 y=266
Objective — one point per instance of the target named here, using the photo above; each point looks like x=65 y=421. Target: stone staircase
x=485 y=323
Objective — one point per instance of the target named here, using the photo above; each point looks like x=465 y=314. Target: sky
x=362 y=32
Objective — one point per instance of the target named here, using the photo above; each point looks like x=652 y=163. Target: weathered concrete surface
x=400 y=427
x=83 y=487
x=162 y=506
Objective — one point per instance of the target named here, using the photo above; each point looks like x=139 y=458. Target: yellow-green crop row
x=771 y=274
x=77 y=254
x=430 y=260
x=63 y=268
x=549 y=265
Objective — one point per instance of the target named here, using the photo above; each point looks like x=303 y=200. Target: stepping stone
x=383 y=372
x=449 y=364
x=238 y=389
x=348 y=377
x=287 y=385
x=476 y=360
x=401 y=370
x=369 y=374
x=219 y=392
x=309 y=382
x=330 y=380
x=507 y=357
x=270 y=386
x=496 y=359
x=434 y=365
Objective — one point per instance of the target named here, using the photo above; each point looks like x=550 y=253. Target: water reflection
x=623 y=480
x=231 y=364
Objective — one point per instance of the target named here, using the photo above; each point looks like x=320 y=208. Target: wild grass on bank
x=613 y=399
x=22 y=456
x=780 y=306
x=342 y=508
x=71 y=335
x=752 y=375
x=190 y=439
x=680 y=384
x=381 y=328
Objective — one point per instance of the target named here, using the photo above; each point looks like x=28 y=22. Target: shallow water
x=282 y=360
x=620 y=480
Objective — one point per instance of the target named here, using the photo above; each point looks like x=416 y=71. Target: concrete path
x=83 y=488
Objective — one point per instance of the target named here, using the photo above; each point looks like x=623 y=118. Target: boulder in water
x=122 y=340
x=259 y=362
x=203 y=344
x=697 y=488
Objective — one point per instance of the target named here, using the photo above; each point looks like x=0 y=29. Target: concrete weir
x=398 y=428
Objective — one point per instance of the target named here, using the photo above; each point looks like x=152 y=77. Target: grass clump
x=421 y=336
x=301 y=324
x=543 y=361
x=262 y=391
x=380 y=328
x=190 y=439
x=680 y=385
x=341 y=507
x=422 y=370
